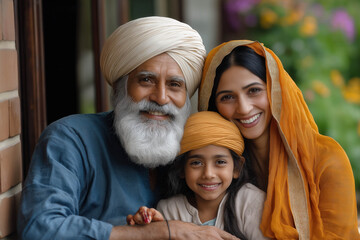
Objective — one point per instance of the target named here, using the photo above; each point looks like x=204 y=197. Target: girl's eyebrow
x=214 y=156
x=195 y=156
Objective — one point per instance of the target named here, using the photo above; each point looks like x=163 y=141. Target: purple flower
x=343 y=21
x=235 y=7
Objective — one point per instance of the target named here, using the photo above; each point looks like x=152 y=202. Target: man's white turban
x=137 y=41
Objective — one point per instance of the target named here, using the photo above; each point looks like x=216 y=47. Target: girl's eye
x=221 y=162
x=195 y=163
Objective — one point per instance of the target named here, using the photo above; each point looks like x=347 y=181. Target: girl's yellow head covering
x=210 y=128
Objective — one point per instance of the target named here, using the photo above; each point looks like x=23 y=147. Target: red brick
x=8 y=20
x=14 y=117
x=8 y=70
x=4 y=120
x=10 y=167
x=8 y=209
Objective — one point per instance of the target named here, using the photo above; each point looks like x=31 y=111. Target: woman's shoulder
x=330 y=154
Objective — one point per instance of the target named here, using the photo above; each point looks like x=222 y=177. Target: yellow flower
x=307 y=61
x=336 y=78
x=351 y=91
x=309 y=26
x=268 y=18
x=320 y=88
x=292 y=18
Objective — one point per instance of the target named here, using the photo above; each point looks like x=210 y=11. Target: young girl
x=206 y=181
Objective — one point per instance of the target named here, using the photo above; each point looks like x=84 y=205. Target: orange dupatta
x=311 y=189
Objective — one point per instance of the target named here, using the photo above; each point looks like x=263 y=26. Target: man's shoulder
x=85 y=118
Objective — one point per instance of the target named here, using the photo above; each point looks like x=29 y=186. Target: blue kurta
x=81 y=182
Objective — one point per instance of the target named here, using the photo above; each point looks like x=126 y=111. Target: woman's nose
x=243 y=106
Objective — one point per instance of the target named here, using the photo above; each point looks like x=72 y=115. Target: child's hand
x=144 y=216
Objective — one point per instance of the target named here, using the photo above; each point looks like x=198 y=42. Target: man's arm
x=178 y=231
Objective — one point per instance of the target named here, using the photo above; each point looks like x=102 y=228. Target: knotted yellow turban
x=137 y=41
x=209 y=128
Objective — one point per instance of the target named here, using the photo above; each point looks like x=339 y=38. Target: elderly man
x=89 y=171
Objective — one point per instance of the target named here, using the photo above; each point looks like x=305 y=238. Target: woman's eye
x=226 y=98
x=255 y=90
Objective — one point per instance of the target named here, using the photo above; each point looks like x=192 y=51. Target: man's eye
x=175 y=84
x=145 y=79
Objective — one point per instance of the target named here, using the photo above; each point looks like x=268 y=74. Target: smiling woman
x=286 y=156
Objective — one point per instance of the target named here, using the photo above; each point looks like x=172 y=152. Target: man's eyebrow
x=146 y=74
x=177 y=78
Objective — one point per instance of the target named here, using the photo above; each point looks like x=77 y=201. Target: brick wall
x=10 y=121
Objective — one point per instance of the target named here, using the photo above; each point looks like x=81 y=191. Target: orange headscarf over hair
x=210 y=128
x=311 y=189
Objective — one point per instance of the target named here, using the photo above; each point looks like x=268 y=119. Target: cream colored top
x=249 y=205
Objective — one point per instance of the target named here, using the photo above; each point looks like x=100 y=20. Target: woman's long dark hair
x=177 y=185
x=245 y=57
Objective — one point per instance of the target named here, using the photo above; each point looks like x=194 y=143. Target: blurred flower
x=309 y=26
x=293 y=17
x=235 y=7
x=341 y=20
x=268 y=18
x=307 y=61
x=250 y=20
x=320 y=88
x=318 y=11
x=336 y=78
x=351 y=91
x=309 y=95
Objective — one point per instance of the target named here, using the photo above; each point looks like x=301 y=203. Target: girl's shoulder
x=250 y=196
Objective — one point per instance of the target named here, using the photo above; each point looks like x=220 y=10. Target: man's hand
x=144 y=216
x=190 y=231
x=178 y=230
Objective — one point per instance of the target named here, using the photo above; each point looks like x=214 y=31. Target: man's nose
x=160 y=95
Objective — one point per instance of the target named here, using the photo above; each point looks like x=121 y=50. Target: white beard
x=149 y=142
